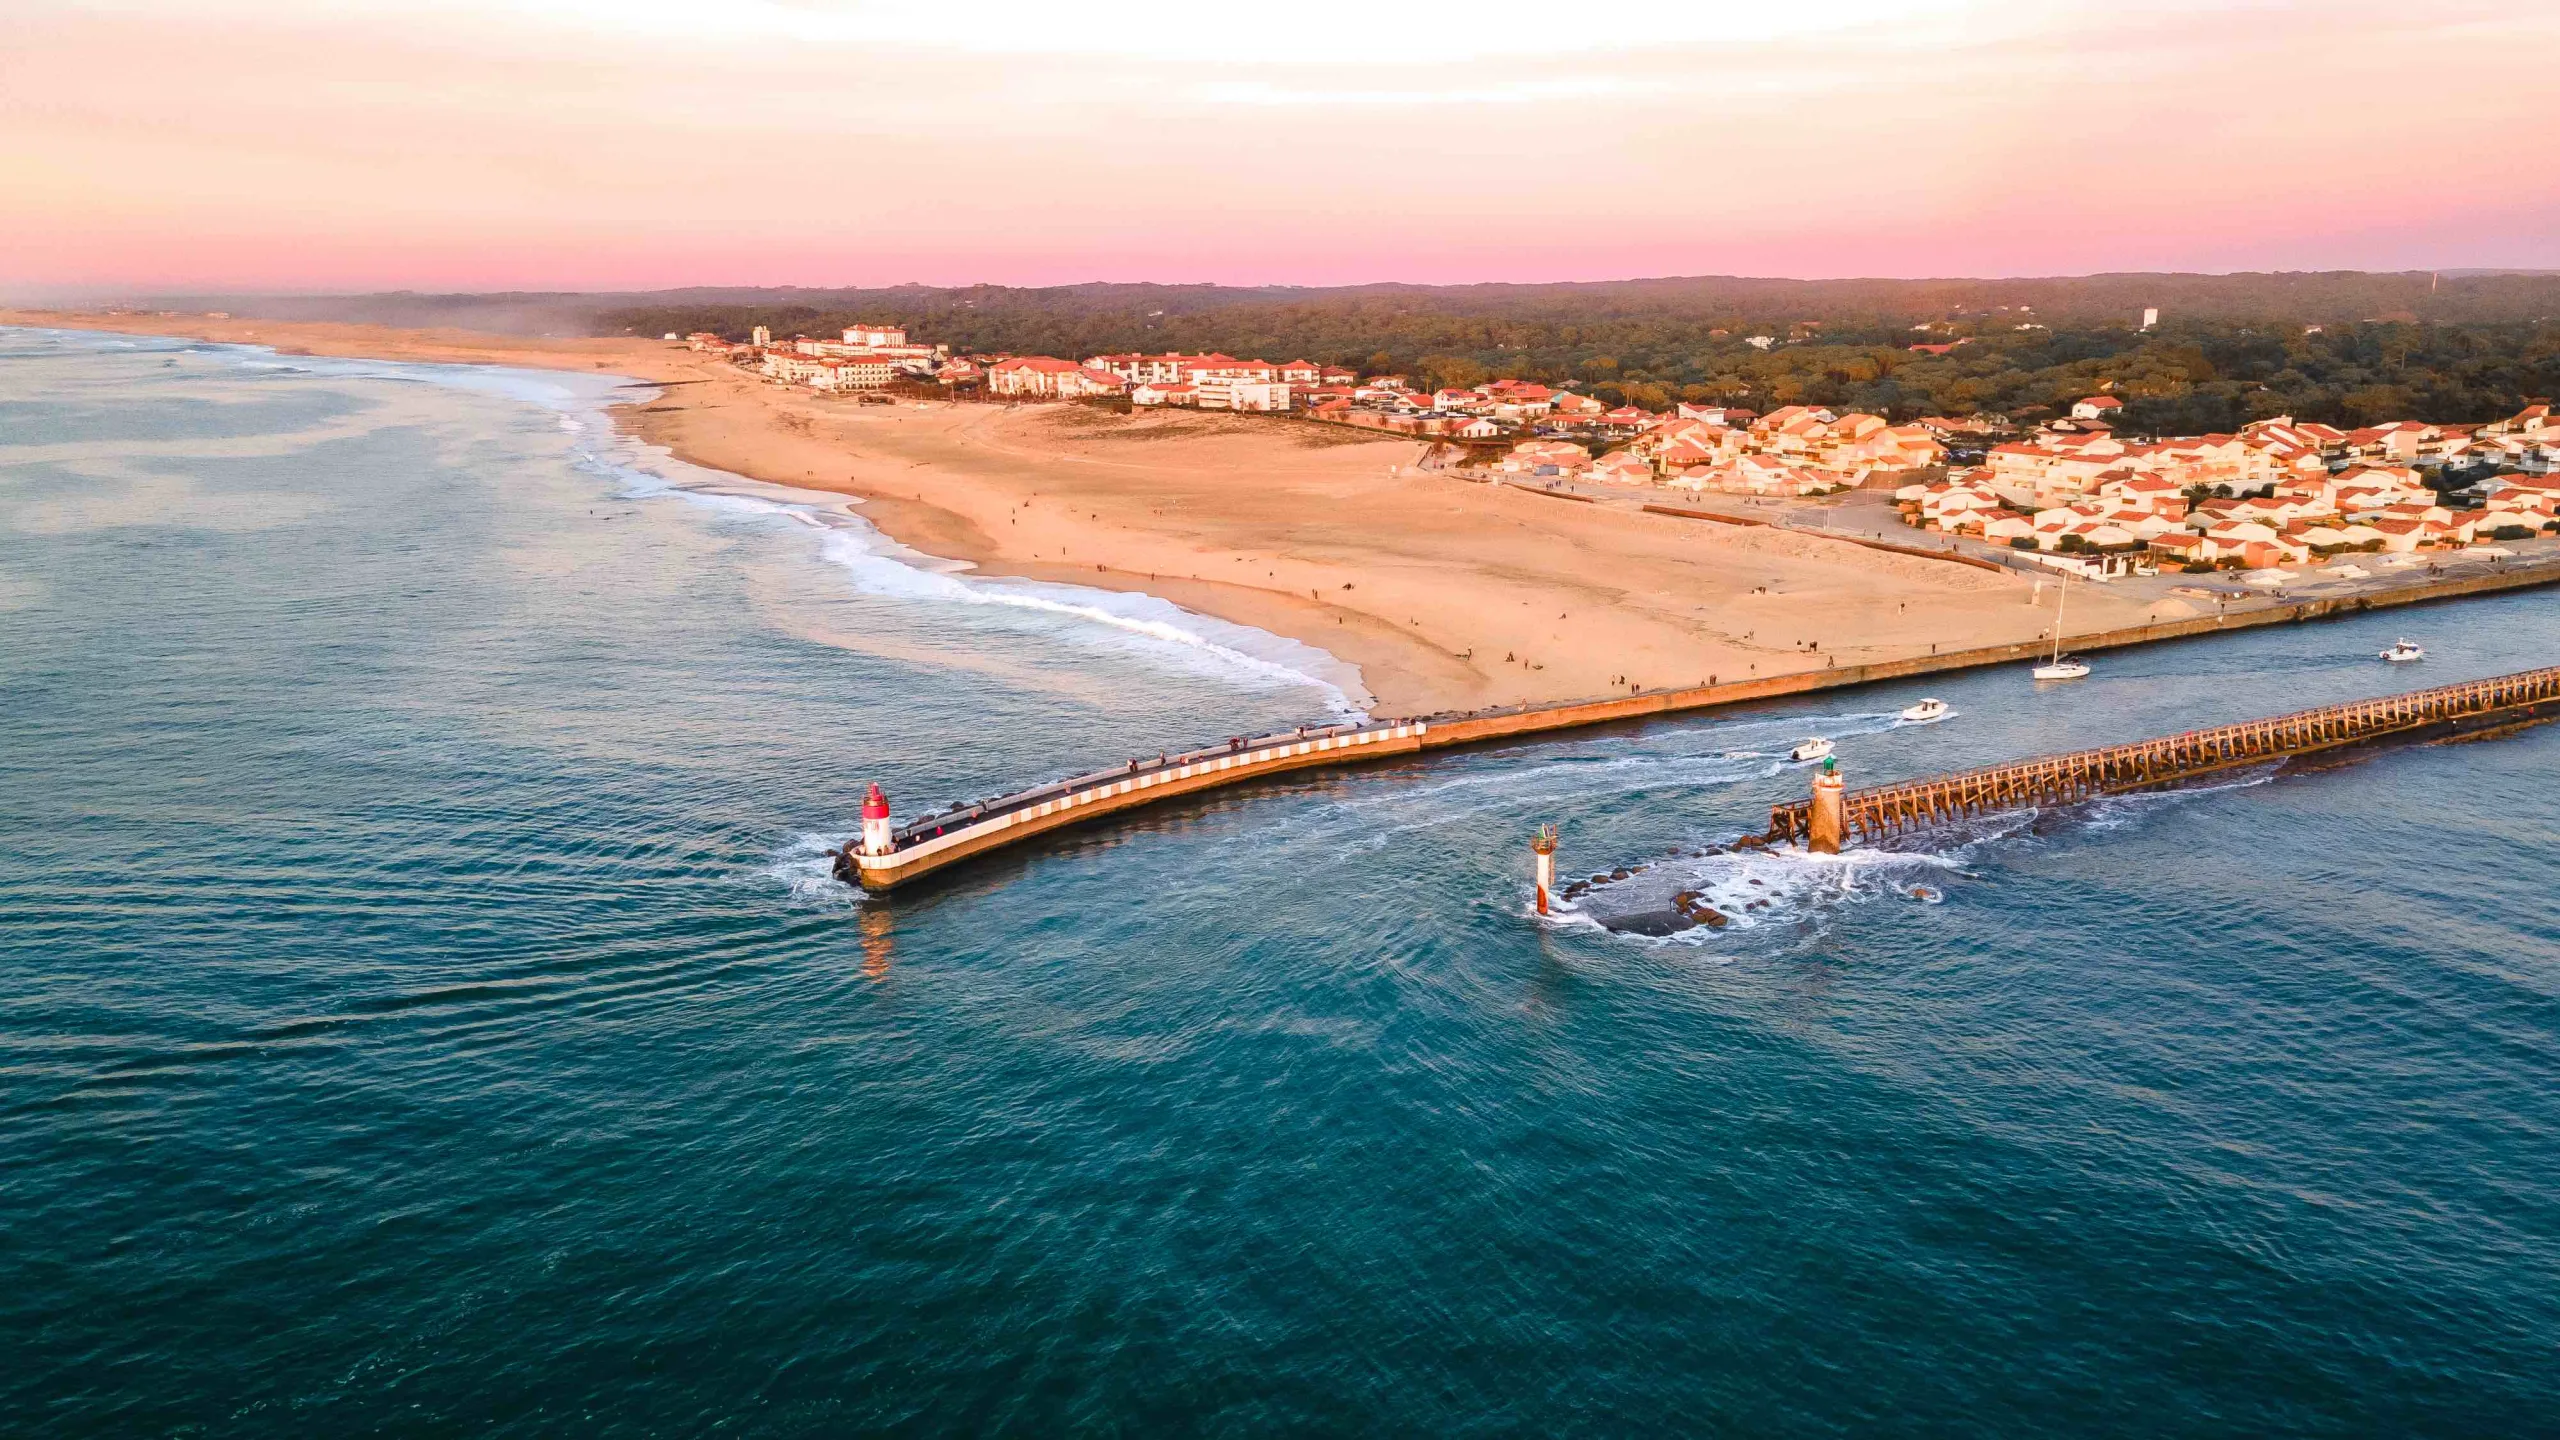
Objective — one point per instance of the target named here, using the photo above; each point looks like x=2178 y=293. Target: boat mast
x=2059 y=600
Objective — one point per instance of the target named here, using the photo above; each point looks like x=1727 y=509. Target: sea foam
x=1135 y=622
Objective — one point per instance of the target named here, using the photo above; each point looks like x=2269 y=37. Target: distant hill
x=2311 y=297
x=2341 y=346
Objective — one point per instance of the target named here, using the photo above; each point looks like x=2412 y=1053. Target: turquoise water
x=423 y=1008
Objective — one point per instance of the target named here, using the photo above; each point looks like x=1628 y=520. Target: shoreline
x=1441 y=594
x=1413 y=580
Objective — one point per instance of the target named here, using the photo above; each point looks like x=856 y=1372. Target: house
x=1757 y=474
x=1198 y=368
x=790 y=368
x=2409 y=442
x=2151 y=494
x=2183 y=547
x=1479 y=427
x=1685 y=452
x=1165 y=369
x=846 y=374
x=2096 y=407
x=2533 y=417
x=1518 y=399
x=2400 y=535
x=1228 y=392
x=1175 y=368
x=2530 y=500
x=1955 y=505
x=1160 y=393
x=1045 y=377
x=1622 y=468
x=1301 y=372
x=874 y=337
x=1727 y=416
x=1544 y=457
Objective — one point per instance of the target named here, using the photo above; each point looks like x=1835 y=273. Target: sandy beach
x=1447 y=594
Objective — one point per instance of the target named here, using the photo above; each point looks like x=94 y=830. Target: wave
x=1757 y=889
x=1144 y=624
x=806 y=868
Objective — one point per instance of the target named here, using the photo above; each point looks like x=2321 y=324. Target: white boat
x=1927 y=711
x=2402 y=651
x=1810 y=749
x=2061 y=666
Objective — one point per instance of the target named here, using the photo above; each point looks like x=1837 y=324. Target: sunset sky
x=610 y=144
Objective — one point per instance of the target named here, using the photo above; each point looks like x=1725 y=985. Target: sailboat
x=2061 y=666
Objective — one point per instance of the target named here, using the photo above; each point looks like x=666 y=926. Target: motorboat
x=1810 y=749
x=2061 y=666
x=2403 y=651
x=1927 y=711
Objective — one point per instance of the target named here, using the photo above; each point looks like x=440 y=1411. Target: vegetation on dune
x=2232 y=348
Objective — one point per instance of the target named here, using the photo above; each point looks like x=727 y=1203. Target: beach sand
x=1447 y=594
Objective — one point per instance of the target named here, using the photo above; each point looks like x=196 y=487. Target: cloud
x=1516 y=92
x=580 y=144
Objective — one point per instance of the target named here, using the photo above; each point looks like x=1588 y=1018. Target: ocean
x=424 y=1007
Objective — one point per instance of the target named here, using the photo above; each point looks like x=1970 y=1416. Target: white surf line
x=582 y=399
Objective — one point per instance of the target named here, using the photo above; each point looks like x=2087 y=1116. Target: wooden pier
x=946 y=838
x=1879 y=814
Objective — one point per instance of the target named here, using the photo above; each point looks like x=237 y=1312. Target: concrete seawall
x=926 y=847
x=1477 y=727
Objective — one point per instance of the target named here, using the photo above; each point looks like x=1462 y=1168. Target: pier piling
x=1832 y=818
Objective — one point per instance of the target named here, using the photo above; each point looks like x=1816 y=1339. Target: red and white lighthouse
x=1544 y=847
x=875 y=823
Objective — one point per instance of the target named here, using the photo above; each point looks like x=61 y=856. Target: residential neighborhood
x=2276 y=492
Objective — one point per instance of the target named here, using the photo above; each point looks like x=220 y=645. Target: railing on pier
x=932 y=841
x=1139 y=774
x=1889 y=810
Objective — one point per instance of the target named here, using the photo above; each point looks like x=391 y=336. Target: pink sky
x=611 y=144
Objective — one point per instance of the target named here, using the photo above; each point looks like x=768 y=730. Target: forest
x=2346 y=347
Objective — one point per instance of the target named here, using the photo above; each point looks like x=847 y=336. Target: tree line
x=2347 y=348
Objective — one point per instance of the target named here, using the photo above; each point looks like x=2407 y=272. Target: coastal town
x=2073 y=493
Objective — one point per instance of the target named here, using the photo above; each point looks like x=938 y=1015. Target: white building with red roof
x=1045 y=377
